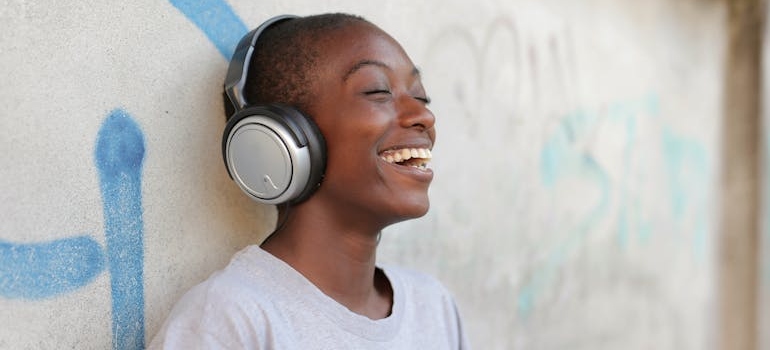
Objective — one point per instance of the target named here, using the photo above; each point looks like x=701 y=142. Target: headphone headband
x=239 y=64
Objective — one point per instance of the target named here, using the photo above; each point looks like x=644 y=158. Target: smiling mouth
x=413 y=157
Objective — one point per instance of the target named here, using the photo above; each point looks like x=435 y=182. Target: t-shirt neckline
x=315 y=300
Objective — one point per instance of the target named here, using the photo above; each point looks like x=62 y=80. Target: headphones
x=273 y=152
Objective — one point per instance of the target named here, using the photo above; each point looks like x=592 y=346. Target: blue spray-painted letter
x=119 y=156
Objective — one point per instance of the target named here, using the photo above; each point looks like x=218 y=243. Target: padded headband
x=239 y=64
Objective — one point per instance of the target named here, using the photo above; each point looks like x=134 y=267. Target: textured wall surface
x=574 y=200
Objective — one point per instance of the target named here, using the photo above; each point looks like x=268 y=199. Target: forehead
x=346 y=47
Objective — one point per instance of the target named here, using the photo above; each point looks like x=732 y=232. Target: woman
x=313 y=283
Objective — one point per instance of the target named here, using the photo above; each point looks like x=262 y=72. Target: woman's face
x=372 y=109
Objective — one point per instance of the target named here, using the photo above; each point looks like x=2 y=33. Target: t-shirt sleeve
x=453 y=321
x=462 y=340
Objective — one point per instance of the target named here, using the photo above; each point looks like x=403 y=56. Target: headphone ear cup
x=316 y=145
x=274 y=153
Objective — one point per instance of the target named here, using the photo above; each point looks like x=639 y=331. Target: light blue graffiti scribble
x=217 y=20
x=687 y=169
x=47 y=269
x=686 y=164
x=558 y=159
x=545 y=275
x=553 y=156
x=626 y=114
x=119 y=156
x=628 y=214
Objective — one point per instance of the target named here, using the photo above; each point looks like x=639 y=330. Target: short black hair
x=282 y=66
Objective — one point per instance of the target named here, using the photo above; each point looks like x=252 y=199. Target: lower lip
x=419 y=174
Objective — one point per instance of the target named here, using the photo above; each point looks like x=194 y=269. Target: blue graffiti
x=119 y=155
x=630 y=218
x=48 y=269
x=557 y=160
x=217 y=20
x=687 y=165
x=687 y=170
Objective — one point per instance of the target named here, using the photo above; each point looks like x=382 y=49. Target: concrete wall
x=574 y=204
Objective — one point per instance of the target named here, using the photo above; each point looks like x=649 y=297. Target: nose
x=414 y=113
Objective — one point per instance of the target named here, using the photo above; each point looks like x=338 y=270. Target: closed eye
x=379 y=95
x=386 y=93
x=375 y=92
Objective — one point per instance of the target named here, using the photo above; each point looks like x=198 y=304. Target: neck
x=338 y=259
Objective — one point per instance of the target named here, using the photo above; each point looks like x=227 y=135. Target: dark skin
x=368 y=99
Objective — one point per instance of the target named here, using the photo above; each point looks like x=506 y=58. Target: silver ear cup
x=265 y=161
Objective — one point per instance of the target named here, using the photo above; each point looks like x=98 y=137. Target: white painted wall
x=576 y=166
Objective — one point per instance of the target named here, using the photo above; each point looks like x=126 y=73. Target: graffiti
x=558 y=159
x=606 y=171
x=687 y=170
x=119 y=156
x=562 y=157
x=627 y=116
x=506 y=74
x=540 y=103
x=216 y=19
x=48 y=269
x=567 y=156
x=43 y=270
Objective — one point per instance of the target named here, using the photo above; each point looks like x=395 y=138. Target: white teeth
x=405 y=154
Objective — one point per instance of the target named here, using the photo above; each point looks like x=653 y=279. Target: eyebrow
x=364 y=63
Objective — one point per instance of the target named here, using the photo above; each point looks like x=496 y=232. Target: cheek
x=353 y=136
x=348 y=151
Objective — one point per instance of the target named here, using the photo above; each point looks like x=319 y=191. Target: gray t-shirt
x=260 y=302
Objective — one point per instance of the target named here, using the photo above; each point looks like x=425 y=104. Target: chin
x=423 y=210
x=412 y=210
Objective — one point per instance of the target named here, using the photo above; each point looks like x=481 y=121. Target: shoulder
x=422 y=292
x=416 y=281
x=239 y=285
x=221 y=311
x=428 y=306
